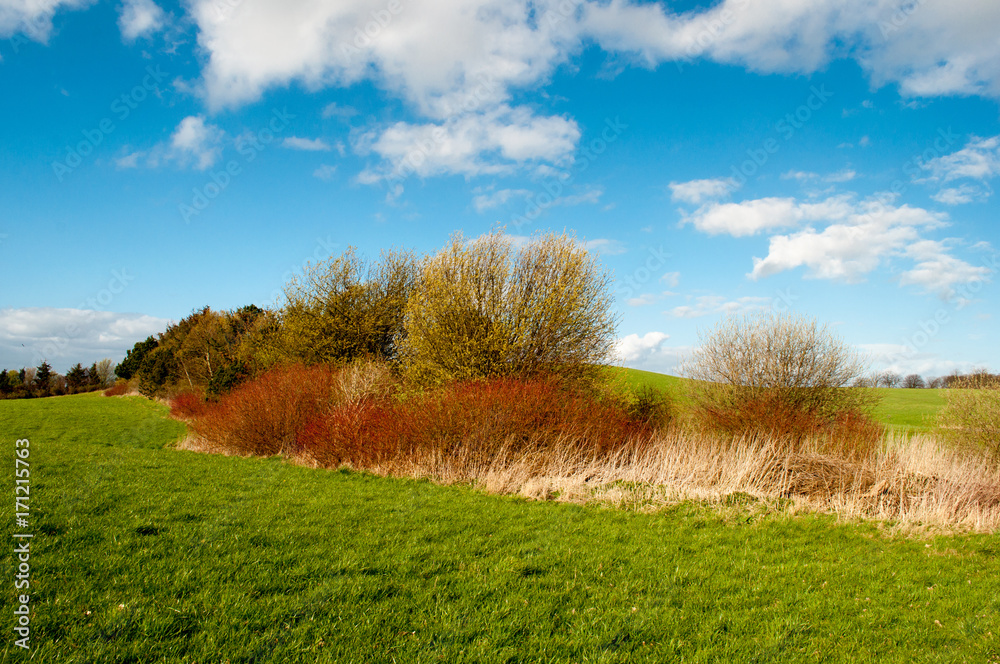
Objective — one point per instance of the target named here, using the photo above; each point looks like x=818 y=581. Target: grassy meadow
x=146 y=553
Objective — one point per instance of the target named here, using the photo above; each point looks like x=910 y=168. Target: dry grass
x=912 y=483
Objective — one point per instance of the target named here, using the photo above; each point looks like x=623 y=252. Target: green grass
x=902 y=409
x=147 y=554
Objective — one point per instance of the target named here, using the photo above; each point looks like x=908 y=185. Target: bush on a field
x=262 y=416
x=343 y=309
x=777 y=374
x=119 y=388
x=485 y=309
x=972 y=414
x=477 y=420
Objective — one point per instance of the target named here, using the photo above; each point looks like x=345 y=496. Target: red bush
x=187 y=405
x=116 y=390
x=262 y=416
x=478 y=419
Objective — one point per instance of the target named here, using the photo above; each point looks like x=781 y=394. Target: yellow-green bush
x=486 y=308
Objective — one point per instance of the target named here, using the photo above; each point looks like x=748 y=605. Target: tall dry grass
x=536 y=439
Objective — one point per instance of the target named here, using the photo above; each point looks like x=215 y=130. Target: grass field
x=903 y=409
x=147 y=554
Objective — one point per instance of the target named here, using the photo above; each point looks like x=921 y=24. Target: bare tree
x=106 y=371
x=914 y=381
x=888 y=379
x=775 y=362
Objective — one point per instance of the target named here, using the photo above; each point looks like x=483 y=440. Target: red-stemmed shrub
x=187 y=405
x=476 y=420
x=118 y=389
x=261 y=417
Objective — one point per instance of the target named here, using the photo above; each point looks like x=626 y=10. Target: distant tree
x=914 y=381
x=23 y=378
x=76 y=377
x=105 y=371
x=14 y=377
x=134 y=358
x=888 y=379
x=43 y=374
x=5 y=385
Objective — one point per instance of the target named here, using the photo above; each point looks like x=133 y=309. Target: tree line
x=42 y=381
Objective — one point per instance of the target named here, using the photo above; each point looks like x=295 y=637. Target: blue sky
x=834 y=158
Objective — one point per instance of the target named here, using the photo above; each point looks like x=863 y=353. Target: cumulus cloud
x=139 y=18
x=64 y=337
x=753 y=216
x=965 y=193
x=649 y=352
x=325 y=172
x=488 y=143
x=196 y=142
x=695 y=192
x=33 y=18
x=979 y=160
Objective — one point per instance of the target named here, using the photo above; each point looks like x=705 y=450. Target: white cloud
x=706 y=305
x=492 y=199
x=195 y=141
x=964 y=193
x=325 y=172
x=64 y=337
x=633 y=347
x=845 y=175
x=488 y=143
x=139 y=18
x=307 y=144
x=939 y=272
x=671 y=279
x=695 y=192
x=906 y=360
x=937 y=49
x=753 y=216
x=33 y=18
x=979 y=160
x=130 y=160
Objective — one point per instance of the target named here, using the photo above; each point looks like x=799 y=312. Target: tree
x=972 y=414
x=105 y=371
x=343 y=309
x=767 y=371
x=888 y=379
x=134 y=358
x=43 y=373
x=5 y=384
x=914 y=381
x=483 y=308
x=76 y=377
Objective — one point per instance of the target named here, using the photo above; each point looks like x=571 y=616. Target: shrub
x=118 y=389
x=187 y=405
x=774 y=374
x=343 y=309
x=486 y=310
x=972 y=414
x=474 y=420
x=261 y=417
